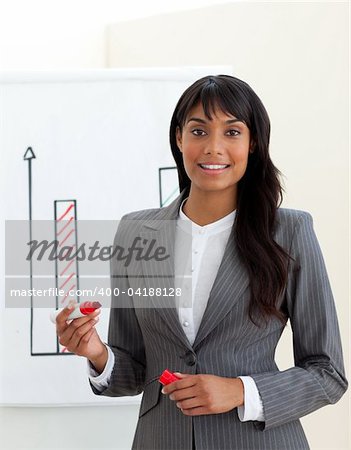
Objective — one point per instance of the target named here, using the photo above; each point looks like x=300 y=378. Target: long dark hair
x=259 y=190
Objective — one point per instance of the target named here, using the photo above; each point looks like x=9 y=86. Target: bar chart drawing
x=66 y=267
x=44 y=340
x=43 y=336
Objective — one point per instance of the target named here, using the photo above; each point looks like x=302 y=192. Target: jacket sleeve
x=318 y=377
x=124 y=335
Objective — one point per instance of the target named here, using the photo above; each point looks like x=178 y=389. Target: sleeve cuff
x=253 y=407
x=102 y=380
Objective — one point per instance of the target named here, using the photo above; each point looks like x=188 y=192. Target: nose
x=215 y=144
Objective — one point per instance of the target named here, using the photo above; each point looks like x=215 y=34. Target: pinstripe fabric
x=146 y=339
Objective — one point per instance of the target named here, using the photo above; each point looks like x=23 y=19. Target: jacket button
x=190 y=358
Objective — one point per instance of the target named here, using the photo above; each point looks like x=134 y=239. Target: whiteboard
x=99 y=137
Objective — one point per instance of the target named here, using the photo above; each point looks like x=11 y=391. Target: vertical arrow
x=28 y=156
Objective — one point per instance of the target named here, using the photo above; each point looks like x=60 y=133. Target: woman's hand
x=79 y=336
x=205 y=394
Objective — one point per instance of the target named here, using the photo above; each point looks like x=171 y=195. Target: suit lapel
x=162 y=228
x=230 y=282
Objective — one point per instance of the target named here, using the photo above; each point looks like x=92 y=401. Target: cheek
x=240 y=156
x=190 y=153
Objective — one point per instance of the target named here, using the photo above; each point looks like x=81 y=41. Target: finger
x=75 y=324
x=82 y=320
x=73 y=341
x=62 y=317
x=190 y=403
x=183 y=394
x=181 y=375
x=73 y=334
x=78 y=328
x=64 y=328
x=85 y=340
x=180 y=384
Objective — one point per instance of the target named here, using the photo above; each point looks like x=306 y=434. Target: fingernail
x=162 y=390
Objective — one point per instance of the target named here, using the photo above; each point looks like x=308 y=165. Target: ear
x=179 y=138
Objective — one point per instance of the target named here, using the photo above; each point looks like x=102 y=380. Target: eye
x=235 y=131
x=201 y=131
x=197 y=132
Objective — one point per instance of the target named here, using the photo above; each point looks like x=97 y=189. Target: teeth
x=216 y=166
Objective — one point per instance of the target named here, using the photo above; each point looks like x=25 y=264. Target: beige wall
x=58 y=34
x=295 y=56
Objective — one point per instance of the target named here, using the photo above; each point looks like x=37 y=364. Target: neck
x=204 y=207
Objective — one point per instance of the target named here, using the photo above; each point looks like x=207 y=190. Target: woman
x=254 y=266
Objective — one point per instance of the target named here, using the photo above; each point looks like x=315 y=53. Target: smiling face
x=224 y=140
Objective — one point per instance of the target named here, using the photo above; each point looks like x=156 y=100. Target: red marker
x=81 y=310
x=167 y=377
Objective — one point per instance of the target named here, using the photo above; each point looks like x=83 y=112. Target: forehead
x=216 y=113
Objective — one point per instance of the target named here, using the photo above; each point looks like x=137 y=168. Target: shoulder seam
x=297 y=224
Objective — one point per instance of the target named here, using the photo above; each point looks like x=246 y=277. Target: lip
x=211 y=163
x=213 y=171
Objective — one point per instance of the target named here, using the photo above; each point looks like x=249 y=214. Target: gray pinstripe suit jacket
x=147 y=340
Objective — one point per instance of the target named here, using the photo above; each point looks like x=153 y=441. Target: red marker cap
x=167 y=377
x=89 y=307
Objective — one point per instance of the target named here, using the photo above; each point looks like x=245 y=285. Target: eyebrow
x=197 y=119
